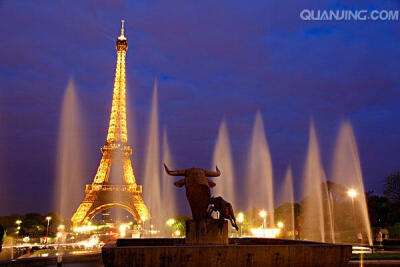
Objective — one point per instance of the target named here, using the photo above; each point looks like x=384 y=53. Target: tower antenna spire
x=122 y=36
x=122 y=27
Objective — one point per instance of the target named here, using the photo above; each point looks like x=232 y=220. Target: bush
x=394 y=231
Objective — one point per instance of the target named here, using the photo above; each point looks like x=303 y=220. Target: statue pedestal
x=207 y=231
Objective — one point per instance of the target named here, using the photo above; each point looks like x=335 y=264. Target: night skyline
x=212 y=62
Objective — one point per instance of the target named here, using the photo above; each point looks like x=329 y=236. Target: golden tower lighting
x=101 y=194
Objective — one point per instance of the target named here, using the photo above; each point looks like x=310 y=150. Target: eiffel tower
x=101 y=194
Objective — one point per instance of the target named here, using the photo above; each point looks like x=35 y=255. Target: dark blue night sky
x=213 y=60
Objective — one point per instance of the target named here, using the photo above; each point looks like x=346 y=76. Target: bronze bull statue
x=197 y=188
x=224 y=208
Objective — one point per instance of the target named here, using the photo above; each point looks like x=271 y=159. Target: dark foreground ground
x=81 y=264
x=90 y=260
x=99 y=263
x=380 y=259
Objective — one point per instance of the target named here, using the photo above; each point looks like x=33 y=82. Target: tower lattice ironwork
x=101 y=194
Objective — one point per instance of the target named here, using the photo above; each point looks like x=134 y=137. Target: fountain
x=288 y=195
x=260 y=181
x=223 y=158
x=151 y=184
x=207 y=243
x=316 y=204
x=167 y=191
x=347 y=172
x=70 y=157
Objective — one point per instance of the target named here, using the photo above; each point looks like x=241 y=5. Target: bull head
x=197 y=188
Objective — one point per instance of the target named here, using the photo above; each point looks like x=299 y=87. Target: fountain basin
x=239 y=252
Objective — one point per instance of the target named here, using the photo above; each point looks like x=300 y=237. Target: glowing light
x=61 y=227
x=59 y=234
x=85 y=228
x=265 y=232
x=122 y=229
x=26 y=239
x=143 y=218
x=18 y=222
x=93 y=241
x=48 y=218
x=240 y=217
x=177 y=233
x=352 y=193
x=280 y=224
x=170 y=222
x=262 y=214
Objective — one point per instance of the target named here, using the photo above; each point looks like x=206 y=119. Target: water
x=223 y=159
x=347 y=172
x=151 y=183
x=70 y=159
x=316 y=204
x=288 y=196
x=260 y=181
x=167 y=188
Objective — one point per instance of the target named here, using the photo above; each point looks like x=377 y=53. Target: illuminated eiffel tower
x=102 y=195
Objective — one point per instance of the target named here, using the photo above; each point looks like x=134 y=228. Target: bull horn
x=174 y=173
x=213 y=174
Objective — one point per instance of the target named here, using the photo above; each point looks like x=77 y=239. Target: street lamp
x=263 y=215
x=240 y=219
x=177 y=233
x=352 y=193
x=170 y=222
x=18 y=223
x=143 y=218
x=48 y=218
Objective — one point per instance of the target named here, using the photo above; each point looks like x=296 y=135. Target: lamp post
x=170 y=223
x=143 y=218
x=18 y=223
x=352 y=193
x=48 y=218
x=240 y=219
x=151 y=229
x=263 y=215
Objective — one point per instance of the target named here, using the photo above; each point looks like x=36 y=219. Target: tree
x=284 y=213
x=392 y=187
x=378 y=210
